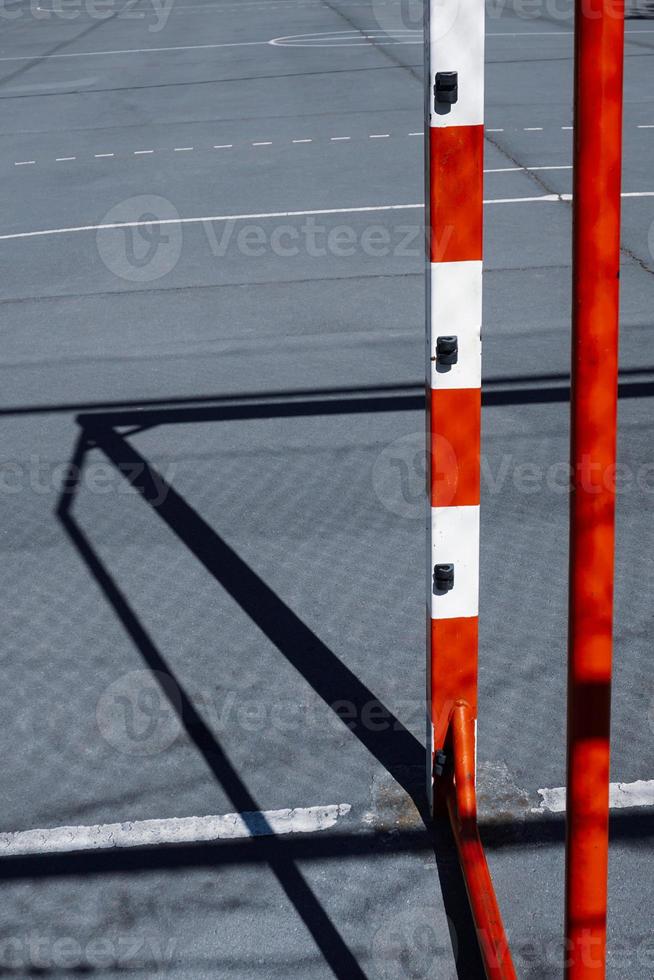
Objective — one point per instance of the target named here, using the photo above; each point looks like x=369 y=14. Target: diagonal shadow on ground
x=342 y=961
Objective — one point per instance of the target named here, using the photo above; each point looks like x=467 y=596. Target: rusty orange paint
x=462 y=807
x=456 y=193
x=455 y=420
x=454 y=670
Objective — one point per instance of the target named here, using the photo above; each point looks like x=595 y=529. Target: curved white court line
x=275 y=42
x=350 y=39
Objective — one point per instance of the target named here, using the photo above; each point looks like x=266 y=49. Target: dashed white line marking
x=184 y=830
x=332 y=139
x=621 y=795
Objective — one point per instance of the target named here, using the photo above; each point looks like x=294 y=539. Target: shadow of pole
x=394 y=747
x=331 y=944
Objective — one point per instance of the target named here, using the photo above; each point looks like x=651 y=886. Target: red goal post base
x=455 y=797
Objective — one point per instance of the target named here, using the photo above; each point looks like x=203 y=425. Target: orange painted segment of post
x=455 y=447
x=457 y=190
x=454 y=671
x=462 y=806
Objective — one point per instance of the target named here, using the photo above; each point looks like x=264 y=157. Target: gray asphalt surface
x=284 y=574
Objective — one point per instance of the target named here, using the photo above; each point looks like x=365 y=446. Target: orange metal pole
x=462 y=806
x=599 y=43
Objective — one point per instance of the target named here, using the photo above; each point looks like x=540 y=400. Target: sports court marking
x=177 y=830
x=621 y=795
x=240 y=826
x=245 y=144
x=158 y=222
x=401 y=37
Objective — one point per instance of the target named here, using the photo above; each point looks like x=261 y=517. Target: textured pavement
x=282 y=583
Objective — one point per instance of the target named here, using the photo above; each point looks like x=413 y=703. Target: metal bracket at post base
x=455 y=770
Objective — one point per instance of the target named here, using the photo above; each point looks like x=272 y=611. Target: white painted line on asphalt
x=24 y=163
x=545 y=198
x=177 y=830
x=274 y=42
x=334 y=139
x=207 y=219
x=525 y=200
x=621 y=795
x=97 y=54
x=510 y=170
